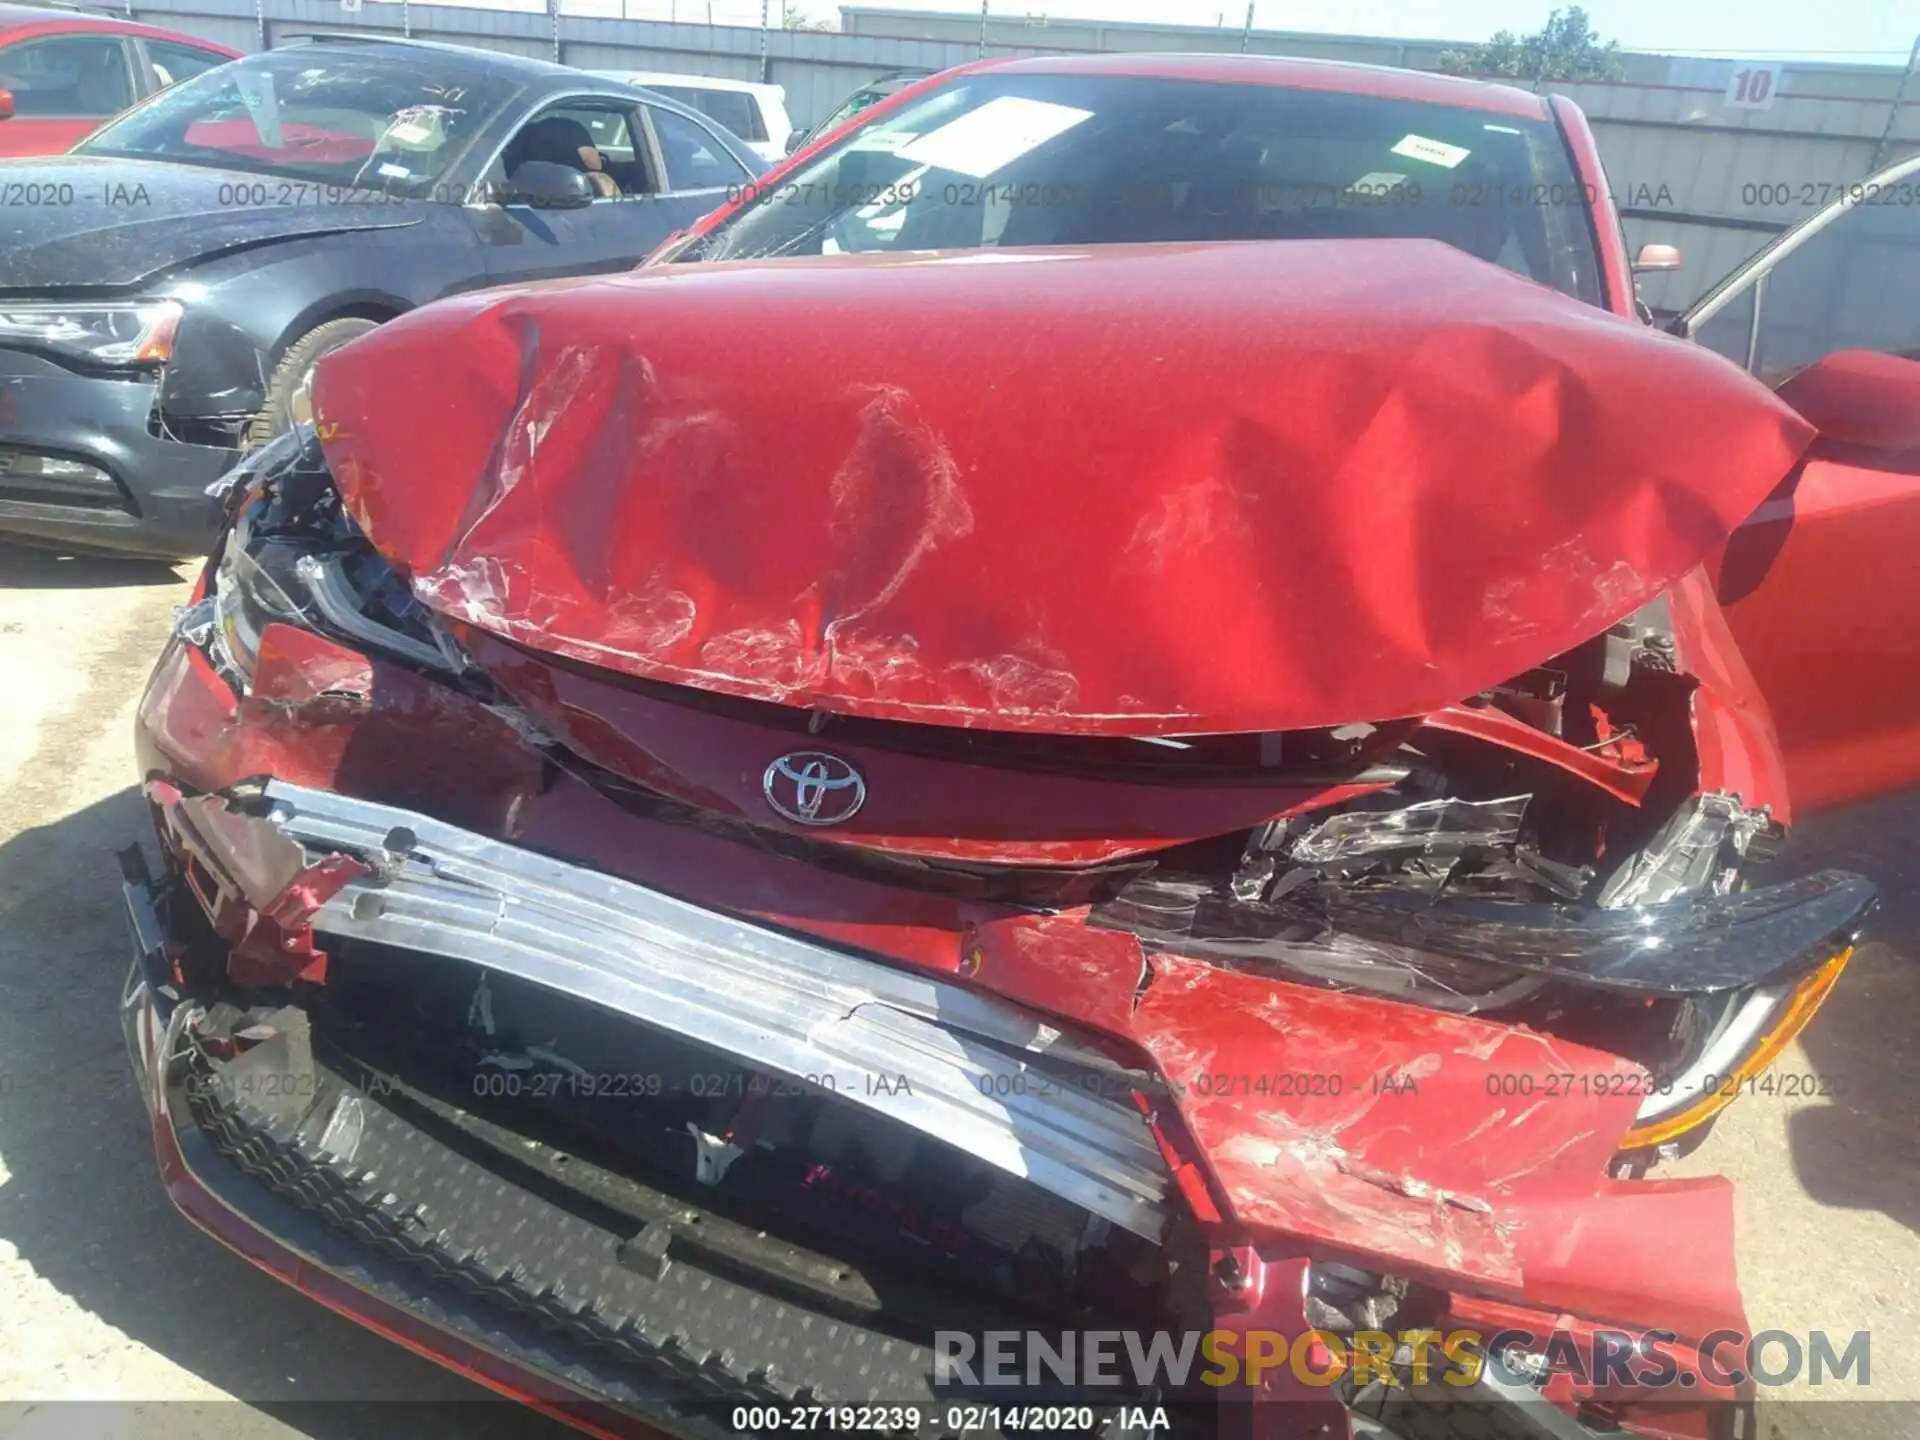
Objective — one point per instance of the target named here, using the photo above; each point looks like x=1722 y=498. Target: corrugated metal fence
x=1705 y=154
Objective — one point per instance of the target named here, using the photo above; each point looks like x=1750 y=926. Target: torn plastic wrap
x=1419 y=844
x=1135 y=490
x=1431 y=827
x=1469 y=955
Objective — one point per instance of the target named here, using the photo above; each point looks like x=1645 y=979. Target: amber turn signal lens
x=156 y=345
x=1794 y=1015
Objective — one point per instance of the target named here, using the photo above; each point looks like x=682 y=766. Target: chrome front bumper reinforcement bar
x=773 y=1001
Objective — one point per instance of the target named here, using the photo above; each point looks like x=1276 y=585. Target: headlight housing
x=292 y=555
x=125 y=335
x=246 y=599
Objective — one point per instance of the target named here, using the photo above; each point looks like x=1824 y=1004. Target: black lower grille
x=418 y=1202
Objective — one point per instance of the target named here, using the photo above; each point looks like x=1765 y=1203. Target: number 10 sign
x=1753 y=87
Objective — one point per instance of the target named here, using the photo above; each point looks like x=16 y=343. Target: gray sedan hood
x=70 y=222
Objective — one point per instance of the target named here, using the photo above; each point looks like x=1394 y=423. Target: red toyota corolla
x=64 y=73
x=1123 y=702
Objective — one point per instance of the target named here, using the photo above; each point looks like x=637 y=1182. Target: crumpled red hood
x=1128 y=490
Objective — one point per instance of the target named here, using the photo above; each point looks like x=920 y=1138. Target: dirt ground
x=107 y=1296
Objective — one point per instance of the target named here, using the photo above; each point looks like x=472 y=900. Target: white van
x=756 y=113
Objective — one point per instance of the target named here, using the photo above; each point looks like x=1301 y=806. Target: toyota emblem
x=811 y=787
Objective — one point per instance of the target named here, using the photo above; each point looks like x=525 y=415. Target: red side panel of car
x=1819 y=590
x=32 y=135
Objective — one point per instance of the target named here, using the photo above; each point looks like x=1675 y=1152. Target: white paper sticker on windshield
x=418 y=127
x=1434 y=152
x=998 y=133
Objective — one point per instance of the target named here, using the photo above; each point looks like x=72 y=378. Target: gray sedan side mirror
x=547 y=186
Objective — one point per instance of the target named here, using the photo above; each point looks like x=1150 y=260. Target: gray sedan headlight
x=127 y=334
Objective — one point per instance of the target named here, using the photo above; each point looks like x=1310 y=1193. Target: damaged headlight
x=1448 y=903
x=1475 y=954
x=292 y=555
x=1196 y=917
x=245 y=601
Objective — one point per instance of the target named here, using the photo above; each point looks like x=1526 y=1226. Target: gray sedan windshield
x=332 y=118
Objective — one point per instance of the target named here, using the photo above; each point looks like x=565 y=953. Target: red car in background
x=65 y=72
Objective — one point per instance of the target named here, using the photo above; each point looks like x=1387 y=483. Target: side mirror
x=1862 y=398
x=796 y=140
x=6 y=104
x=547 y=186
x=1656 y=257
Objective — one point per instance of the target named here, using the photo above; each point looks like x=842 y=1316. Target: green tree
x=794 y=17
x=1565 y=48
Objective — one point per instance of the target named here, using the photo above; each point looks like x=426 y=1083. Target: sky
x=1874 y=31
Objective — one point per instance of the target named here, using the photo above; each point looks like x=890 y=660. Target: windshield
x=1035 y=159
x=334 y=117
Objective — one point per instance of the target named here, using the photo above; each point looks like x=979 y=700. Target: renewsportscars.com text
x=1726 y=1359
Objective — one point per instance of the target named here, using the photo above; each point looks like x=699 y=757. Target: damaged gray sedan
x=197 y=256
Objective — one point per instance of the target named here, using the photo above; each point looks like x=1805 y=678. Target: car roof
x=526 y=66
x=17 y=19
x=655 y=78
x=1383 y=82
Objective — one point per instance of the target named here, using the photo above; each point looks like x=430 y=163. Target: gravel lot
x=106 y=1295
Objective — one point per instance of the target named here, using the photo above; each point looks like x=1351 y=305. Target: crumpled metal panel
x=1132 y=490
x=1441 y=1145
x=777 y=1002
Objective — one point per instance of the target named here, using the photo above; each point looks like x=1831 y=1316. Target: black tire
x=276 y=415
